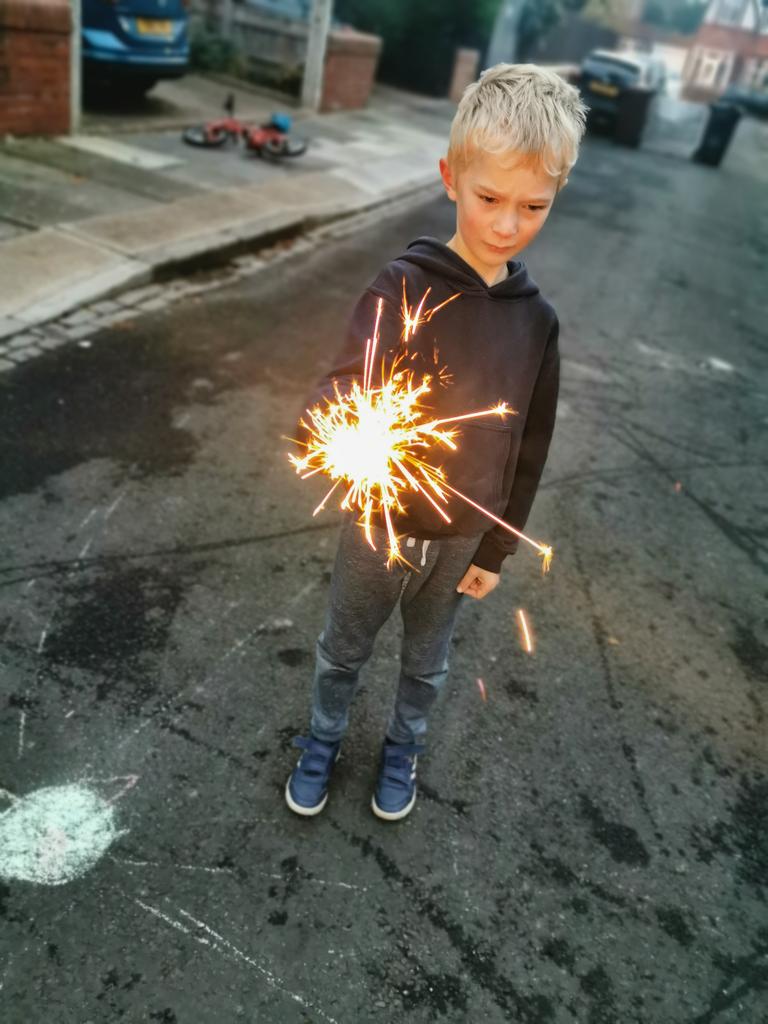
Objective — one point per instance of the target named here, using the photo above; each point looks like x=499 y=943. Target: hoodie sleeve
x=349 y=362
x=534 y=446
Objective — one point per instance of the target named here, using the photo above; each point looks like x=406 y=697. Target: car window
x=615 y=62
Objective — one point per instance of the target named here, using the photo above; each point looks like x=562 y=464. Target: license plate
x=603 y=89
x=153 y=27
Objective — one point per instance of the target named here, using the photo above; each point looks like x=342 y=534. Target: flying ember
x=375 y=441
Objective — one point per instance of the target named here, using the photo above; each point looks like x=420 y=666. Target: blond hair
x=521 y=108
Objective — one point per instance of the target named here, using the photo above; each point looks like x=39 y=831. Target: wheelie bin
x=632 y=115
x=718 y=132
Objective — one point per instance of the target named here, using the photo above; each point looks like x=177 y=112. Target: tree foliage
x=682 y=16
x=539 y=16
x=421 y=36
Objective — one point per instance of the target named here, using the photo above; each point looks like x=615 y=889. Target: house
x=730 y=48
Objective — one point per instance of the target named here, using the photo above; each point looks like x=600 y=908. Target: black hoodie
x=497 y=344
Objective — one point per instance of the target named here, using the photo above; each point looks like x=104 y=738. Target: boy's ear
x=448 y=179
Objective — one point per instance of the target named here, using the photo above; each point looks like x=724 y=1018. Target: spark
x=374 y=440
x=525 y=632
x=413 y=317
x=481 y=688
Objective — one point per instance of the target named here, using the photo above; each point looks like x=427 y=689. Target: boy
x=513 y=140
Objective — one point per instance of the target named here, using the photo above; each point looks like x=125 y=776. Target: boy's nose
x=506 y=227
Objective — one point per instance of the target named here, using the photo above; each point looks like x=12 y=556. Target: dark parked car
x=605 y=75
x=130 y=44
x=748 y=100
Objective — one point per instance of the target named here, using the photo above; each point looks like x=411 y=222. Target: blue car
x=133 y=43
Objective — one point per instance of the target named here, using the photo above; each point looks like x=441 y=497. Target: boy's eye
x=488 y=199
x=533 y=206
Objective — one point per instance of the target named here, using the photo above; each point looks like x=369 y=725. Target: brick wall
x=721 y=37
x=350 y=68
x=34 y=67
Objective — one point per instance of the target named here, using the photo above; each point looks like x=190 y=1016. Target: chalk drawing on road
x=22 y=726
x=56 y=834
x=193 y=927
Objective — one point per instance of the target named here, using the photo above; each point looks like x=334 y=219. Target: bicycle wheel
x=285 y=147
x=208 y=138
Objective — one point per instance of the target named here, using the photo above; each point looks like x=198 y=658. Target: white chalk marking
x=41 y=641
x=130 y=862
x=169 y=920
x=128 y=780
x=86 y=546
x=6 y=969
x=70 y=713
x=89 y=517
x=302 y=593
x=224 y=946
x=22 y=723
x=115 y=503
x=255 y=633
x=270 y=977
x=719 y=364
x=30 y=584
x=133 y=862
x=318 y=881
x=55 y=834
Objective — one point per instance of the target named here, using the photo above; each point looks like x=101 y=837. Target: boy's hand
x=478 y=583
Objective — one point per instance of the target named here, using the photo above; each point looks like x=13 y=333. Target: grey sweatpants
x=363 y=595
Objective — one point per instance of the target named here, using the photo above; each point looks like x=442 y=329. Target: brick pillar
x=464 y=71
x=34 y=67
x=350 y=68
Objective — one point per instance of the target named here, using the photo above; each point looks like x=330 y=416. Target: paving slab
x=93 y=168
x=145 y=231
x=34 y=196
x=317 y=193
x=389 y=176
x=121 y=152
x=50 y=271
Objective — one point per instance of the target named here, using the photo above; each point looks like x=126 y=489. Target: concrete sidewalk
x=88 y=217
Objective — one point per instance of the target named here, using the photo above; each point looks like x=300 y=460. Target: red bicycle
x=272 y=139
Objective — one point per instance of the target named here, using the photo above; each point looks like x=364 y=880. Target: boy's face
x=501 y=205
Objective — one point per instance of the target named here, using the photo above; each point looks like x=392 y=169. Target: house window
x=709 y=70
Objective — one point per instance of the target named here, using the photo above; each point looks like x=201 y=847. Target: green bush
x=421 y=38
x=211 y=52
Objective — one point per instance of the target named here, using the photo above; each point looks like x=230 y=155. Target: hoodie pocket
x=477 y=469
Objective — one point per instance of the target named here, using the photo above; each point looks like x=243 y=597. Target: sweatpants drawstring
x=410 y=542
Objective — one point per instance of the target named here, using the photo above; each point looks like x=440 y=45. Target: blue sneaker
x=306 y=791
x=396 y=786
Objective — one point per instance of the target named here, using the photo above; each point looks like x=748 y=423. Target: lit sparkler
x=374 y=440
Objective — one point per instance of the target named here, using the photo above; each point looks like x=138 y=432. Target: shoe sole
x=392 y=815
x=306 y=812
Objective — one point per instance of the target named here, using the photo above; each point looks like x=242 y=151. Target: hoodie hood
x=436 y=258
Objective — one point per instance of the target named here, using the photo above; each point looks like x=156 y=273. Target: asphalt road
x=589 y=844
